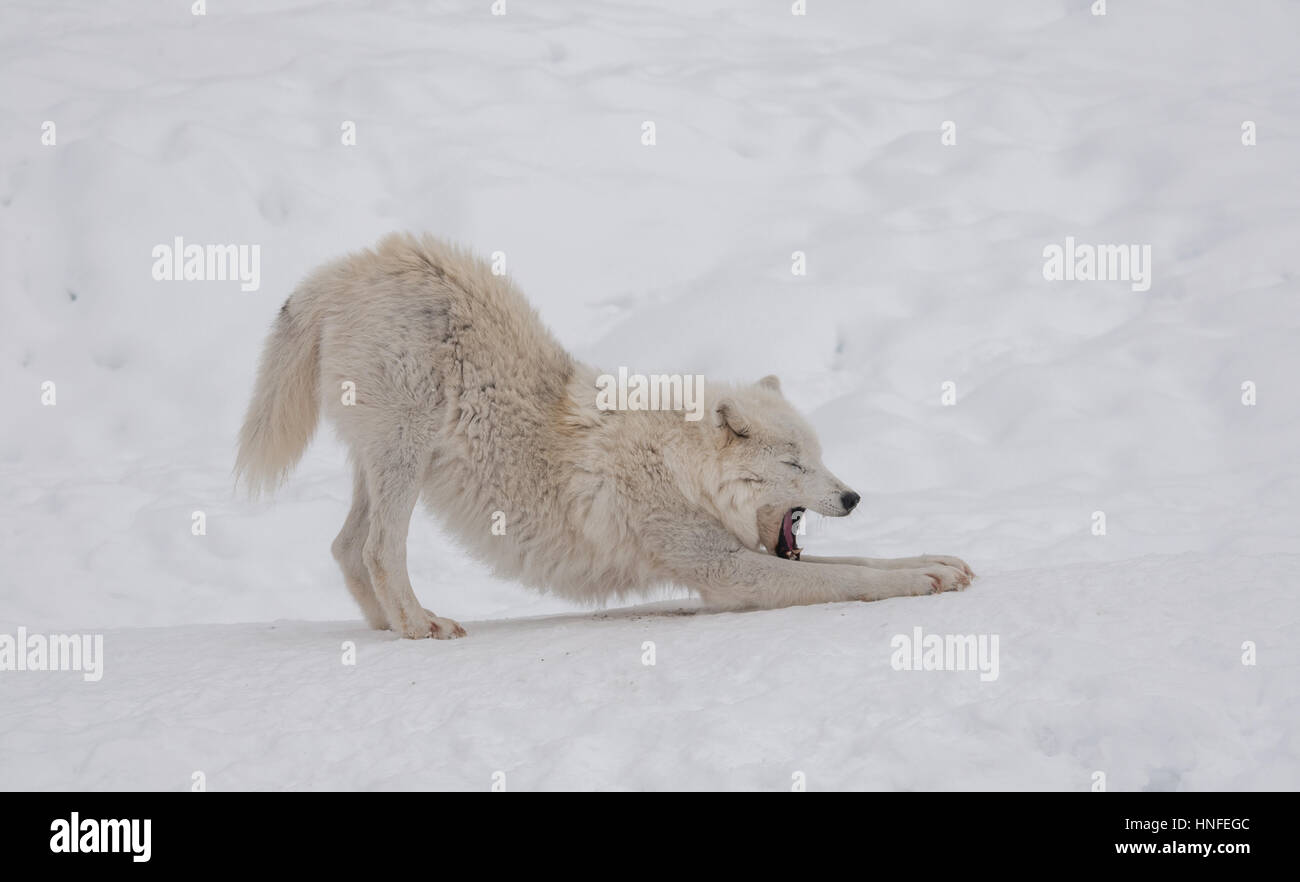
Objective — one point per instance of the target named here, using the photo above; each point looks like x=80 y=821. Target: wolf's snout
x=849 y=500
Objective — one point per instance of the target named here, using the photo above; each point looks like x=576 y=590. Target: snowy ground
x=1119 y=653
x=1157 y=700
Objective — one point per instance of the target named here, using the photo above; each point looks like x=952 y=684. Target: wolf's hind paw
x=426 y=625
x=444 y=629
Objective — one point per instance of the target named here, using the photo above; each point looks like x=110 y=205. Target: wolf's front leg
x=751 y=580
x=898 y=563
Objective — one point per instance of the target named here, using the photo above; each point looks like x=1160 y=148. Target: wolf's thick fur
x=463 y=397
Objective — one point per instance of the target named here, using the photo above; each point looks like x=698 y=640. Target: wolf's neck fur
x=687 y=449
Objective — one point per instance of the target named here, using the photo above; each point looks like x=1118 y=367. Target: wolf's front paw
x=946 y=578
x=427 y=624
x=949 y=561
x=910 y=582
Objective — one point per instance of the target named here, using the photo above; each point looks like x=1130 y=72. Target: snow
x=1120 y=653
x=741 y=700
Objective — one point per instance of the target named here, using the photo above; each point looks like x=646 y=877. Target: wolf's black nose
x=849 y=499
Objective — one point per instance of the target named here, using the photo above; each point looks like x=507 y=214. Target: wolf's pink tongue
x=787 y=529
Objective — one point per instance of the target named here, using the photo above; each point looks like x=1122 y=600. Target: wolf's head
x=768 y=469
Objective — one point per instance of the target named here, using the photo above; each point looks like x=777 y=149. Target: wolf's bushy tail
x=285 y=408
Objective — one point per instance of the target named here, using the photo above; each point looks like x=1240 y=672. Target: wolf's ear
x=727 y=416
x=771 y=382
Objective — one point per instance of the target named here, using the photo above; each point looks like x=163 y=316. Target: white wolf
x=464 y=398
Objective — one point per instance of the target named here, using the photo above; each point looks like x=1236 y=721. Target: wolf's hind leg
x=393 y=478
x=347 y=549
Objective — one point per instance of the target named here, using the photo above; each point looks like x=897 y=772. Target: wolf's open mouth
x=786 y=545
